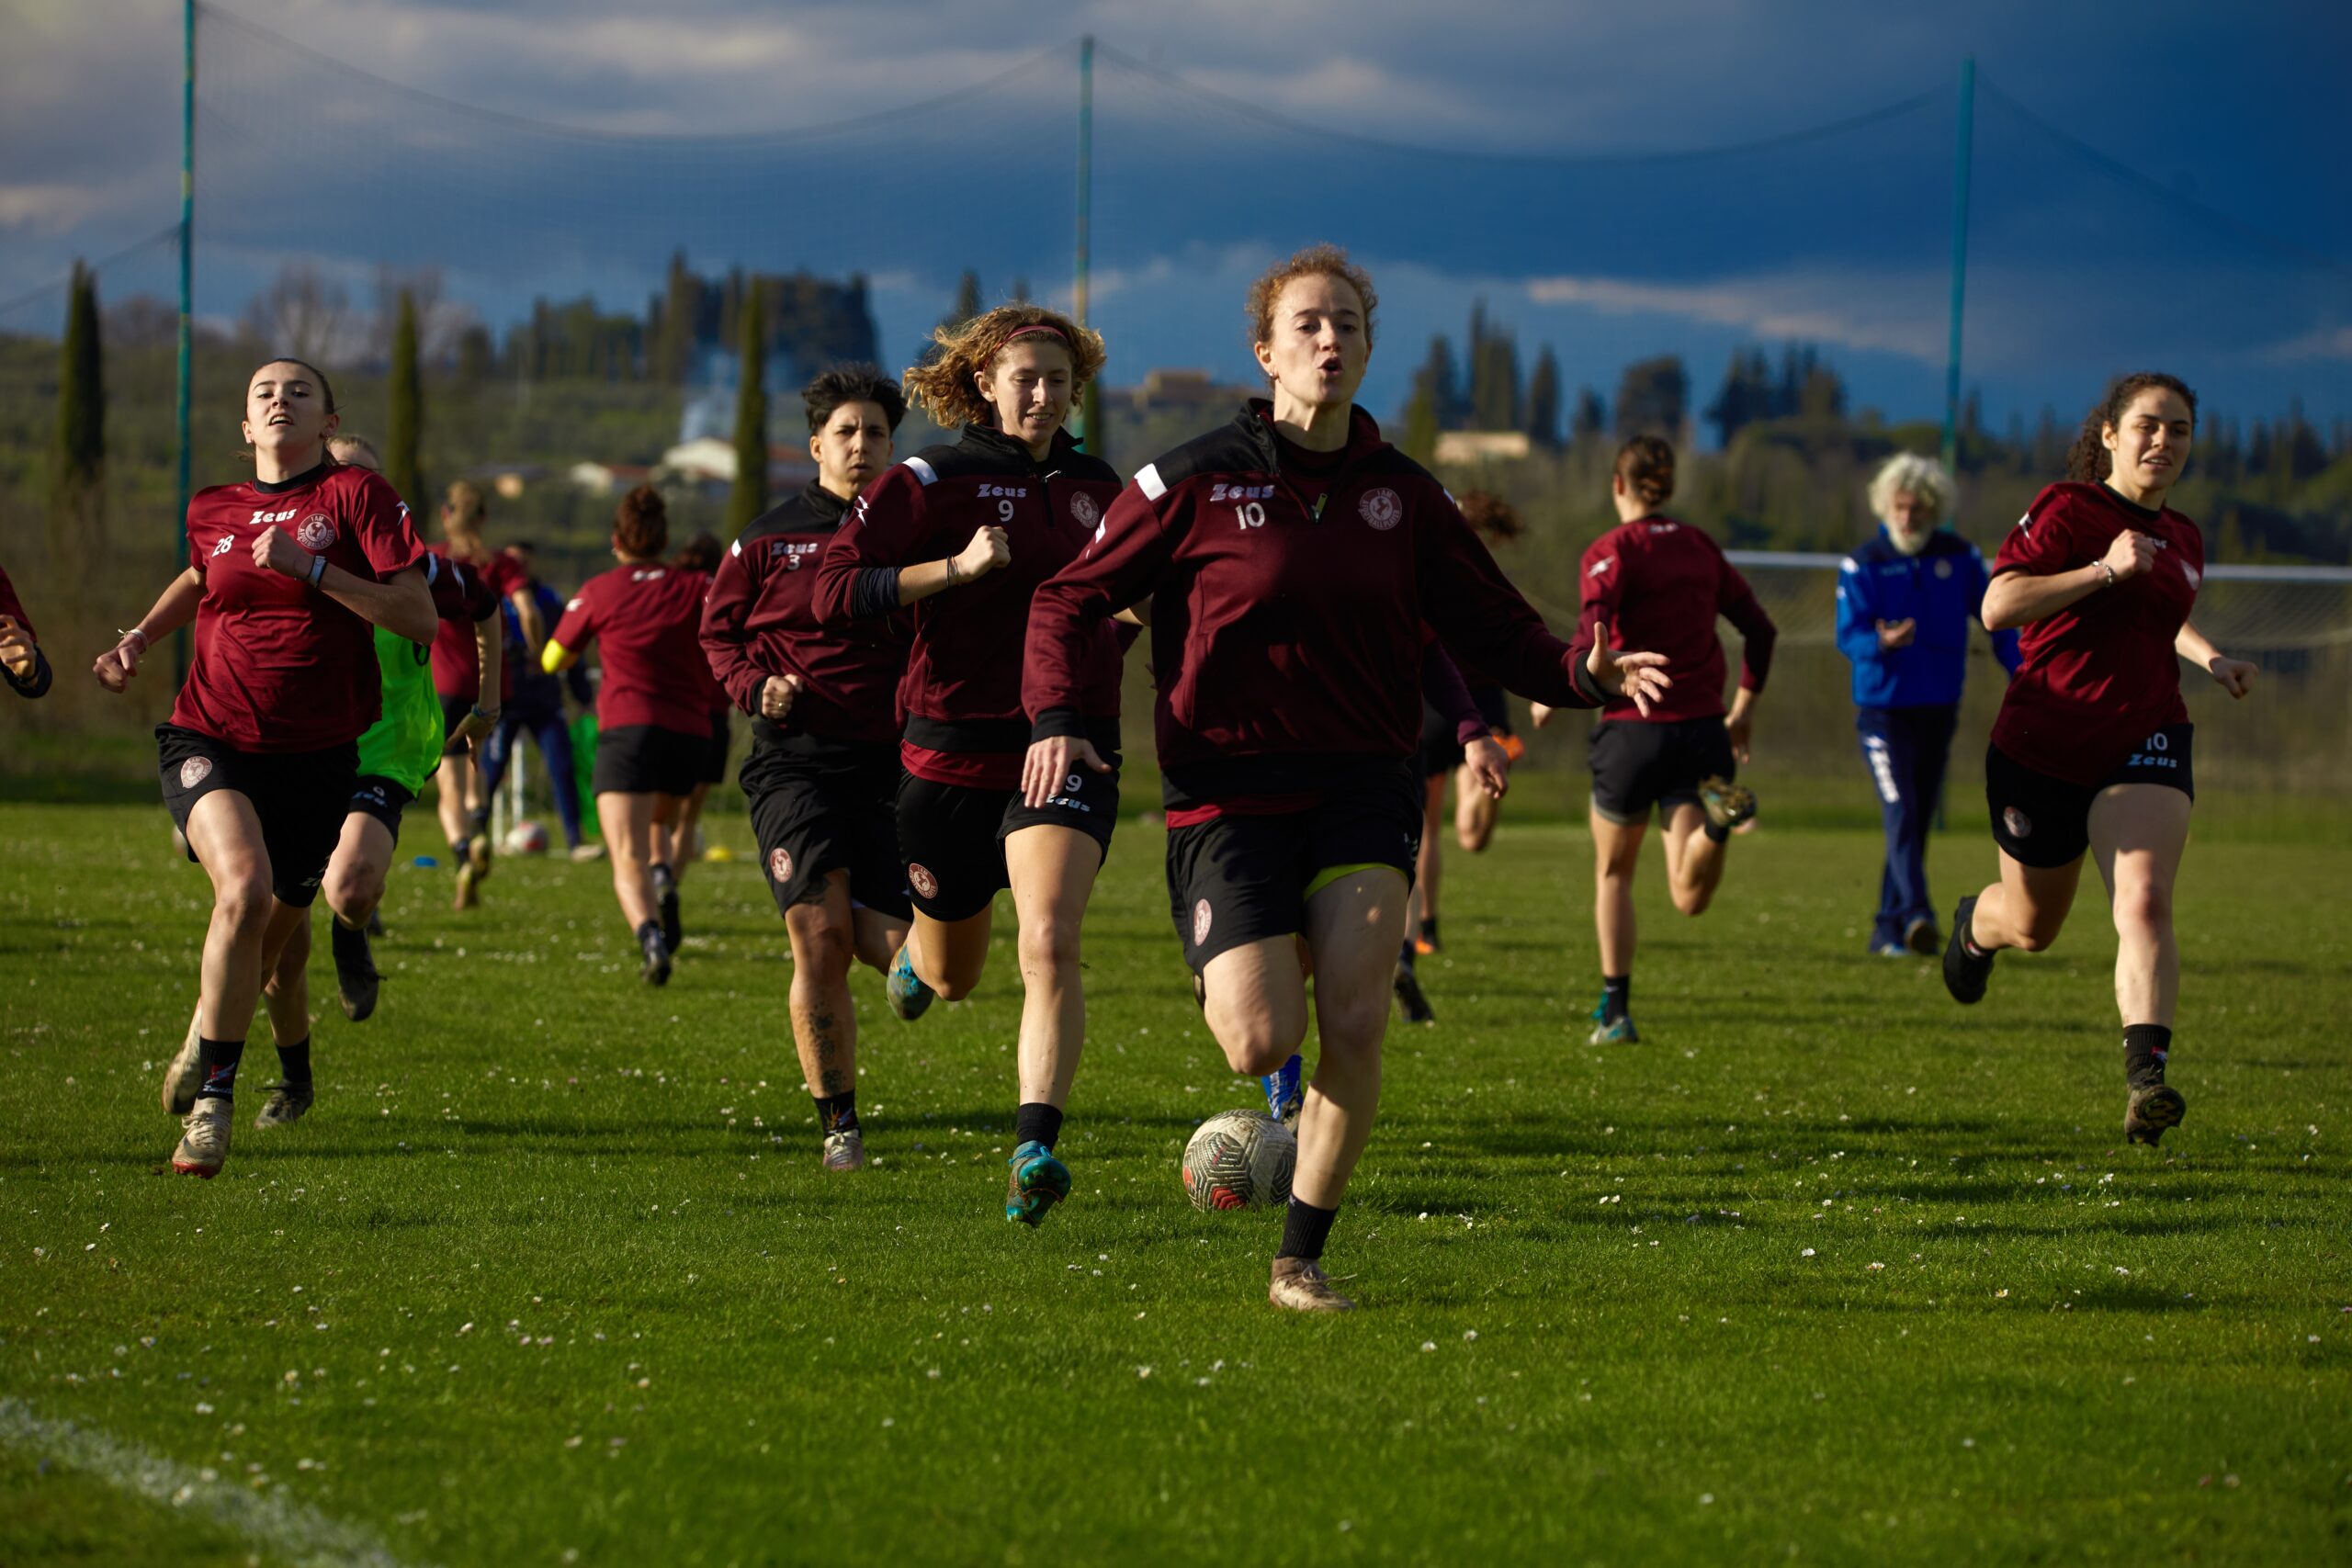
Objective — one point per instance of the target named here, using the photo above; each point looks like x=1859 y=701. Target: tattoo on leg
x=834 y=1072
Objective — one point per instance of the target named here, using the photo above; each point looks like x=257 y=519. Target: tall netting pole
x=187 y=301
x=1959 y=257
x=1090 y=412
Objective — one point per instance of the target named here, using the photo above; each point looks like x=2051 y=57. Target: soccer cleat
x=581 y=853
x=665 y=893
x=1965 y=974
x=469 y=886
x=1409 y=997
x=656 y=971
x=286 y=1104
x=186 y=1075
x=1922 y=938
x=1888 y=947
x=1299 y=1284
x=355 y=970
x=1037 y=1182
x=1727 y=805
x=1286 y=1091
x=204 y=1138
x=845 y=1150
x=908 y=996
x=1608 y=1031
x=2152 y=1111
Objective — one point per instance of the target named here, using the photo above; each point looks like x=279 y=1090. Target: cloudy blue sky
x=2158 y=184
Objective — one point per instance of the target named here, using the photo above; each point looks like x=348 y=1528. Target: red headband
x=1036 y=329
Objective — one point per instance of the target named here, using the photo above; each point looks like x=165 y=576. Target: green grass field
x=1826 y=1269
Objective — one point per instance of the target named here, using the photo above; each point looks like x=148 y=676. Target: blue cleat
x=908 y=995
x=1286 y=1091
x=1608 y=1031
x=1038 y=1182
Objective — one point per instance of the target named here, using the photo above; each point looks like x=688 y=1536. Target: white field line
x=285 y=1529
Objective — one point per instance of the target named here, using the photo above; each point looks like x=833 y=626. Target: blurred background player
x=1908 y=602
x=700 y=556
x=1289 y=677
x=534 y=706
x=458 y=668
x=652 y=706
x=22 y=663
x=2091 y=752
x=824 y=763
x=259 y=755
x=966 y=533
x=1662 y=583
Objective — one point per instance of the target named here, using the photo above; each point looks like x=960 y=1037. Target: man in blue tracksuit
x=536 y=708
x=1906 y=601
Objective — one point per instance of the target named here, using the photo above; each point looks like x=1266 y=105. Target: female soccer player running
x=652 y=709
x=1293 y=557
x=2091 y=749
x=1662 y=585
x=467 y=702
x=288 y=571
x=966 y=533
x=1904 y=604
x=824 y=761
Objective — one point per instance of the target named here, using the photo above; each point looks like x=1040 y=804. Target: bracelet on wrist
x=2108 y=569
x=318 y=569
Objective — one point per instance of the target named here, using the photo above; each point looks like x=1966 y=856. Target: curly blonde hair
x=947 y=388
x=1315 y=261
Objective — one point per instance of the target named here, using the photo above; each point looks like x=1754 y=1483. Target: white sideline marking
x=301 y=1534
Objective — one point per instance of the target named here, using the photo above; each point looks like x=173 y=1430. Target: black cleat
x=1964 y=975
x=2153 y=1109
x=286 y=1102
x=1408 y=986
x=355 y=970
x=673 y=936
x=1922 y=938
x=657 y=959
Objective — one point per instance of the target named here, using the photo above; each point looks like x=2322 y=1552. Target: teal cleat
x=908 y=994
x=1608 y=1031
x=1038 y=1182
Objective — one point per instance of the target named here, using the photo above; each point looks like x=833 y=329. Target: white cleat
x=204 y=1140
x=845 y=1150
x=186 y=1075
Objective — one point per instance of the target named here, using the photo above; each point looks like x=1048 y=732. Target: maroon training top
x=11 y=608
x=1659 y=584
x=280 y=666
x=2098 y=677
x=961 y=691
x=761 y=620
x=1287 y=618
x=644 y=620
x=457 y=664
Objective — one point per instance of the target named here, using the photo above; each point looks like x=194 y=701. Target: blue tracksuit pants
x=1905 y=749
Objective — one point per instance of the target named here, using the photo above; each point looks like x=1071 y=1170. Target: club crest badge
x=919 y=877
x=1200 y=923
x=315 y=533
x=780 y=866
x=1083 y=508
x=194 y=770
x=2019 y=825
x=1381 y=508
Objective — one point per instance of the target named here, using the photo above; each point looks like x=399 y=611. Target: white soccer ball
x=528 y=838
x=1240 y=1159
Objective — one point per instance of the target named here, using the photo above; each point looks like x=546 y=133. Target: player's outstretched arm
x=2234 y=676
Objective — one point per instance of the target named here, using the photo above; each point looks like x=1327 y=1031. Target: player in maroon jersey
x=22 y=663
x=2091 y=749
x=700 y=556
x=965 y=533
x=1292 y=559
x=652 y=708
x=459 y=661
x=288 y=572
x=824 y=761
x=1662 y=583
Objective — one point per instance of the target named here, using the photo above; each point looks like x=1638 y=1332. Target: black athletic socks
x=1037 y=1122
x=1305 y=1230
x=1429 y=932
x=1616 y=997
x=837 y=1114
x=294 y=1063
x=2145 y=1046
x=216 y=1061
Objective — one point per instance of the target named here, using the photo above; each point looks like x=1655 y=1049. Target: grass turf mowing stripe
x=299 y=1534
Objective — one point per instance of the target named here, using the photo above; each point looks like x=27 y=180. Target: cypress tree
x=77 y=461
x=404 y=423
x=750 y=496
x=1543 y=401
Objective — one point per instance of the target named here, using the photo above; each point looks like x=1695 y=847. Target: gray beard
x=1910 y=544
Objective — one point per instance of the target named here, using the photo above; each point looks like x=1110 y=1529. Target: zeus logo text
x=1015 y=491
x=260 y=517
x=1241 y=492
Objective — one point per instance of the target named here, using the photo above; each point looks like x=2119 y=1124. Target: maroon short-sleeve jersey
x=457 y=664
x=644 y=620
x=2099 y=676
x=1659 y=585
x=280 y=666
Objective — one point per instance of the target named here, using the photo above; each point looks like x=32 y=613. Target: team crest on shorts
x=2019 y=825
x=315 y=533
x=780 y=866
x=919 y=877
x=1083 y=508
x=1200 y=923
x=194 y=770
x=1381 y=508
